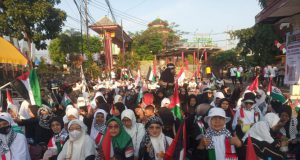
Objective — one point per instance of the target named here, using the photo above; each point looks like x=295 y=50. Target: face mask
x=5 y=130
x=75 y=134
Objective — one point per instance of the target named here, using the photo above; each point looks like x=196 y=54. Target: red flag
x=269 y=87
x=8 y=97
x=178 y=144
x=250 y=152
x=112 y=110
x=182 y=57
x=194 y=60
x=180 y=72
x=204 y=53
x=106 y=145
x=254 y=85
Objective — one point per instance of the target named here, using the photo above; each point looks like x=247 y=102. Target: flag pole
x=7 y=84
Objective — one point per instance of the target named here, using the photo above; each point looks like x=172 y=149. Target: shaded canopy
x=10 y=54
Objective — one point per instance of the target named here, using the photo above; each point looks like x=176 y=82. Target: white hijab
x=136 y=132
x=158 y=144
x=117 y=98
x=217 y=95
x=93 y=103
x=261 y=129
x=80 y=148
x=94 y=131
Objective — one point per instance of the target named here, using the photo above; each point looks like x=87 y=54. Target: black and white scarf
x=100 y=127
x=211 y=133
x=44 y=120
x=5 y=144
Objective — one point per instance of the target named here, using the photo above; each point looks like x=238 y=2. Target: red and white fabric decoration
x=280 y=46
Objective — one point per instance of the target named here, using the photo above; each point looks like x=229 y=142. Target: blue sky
x=194 y=16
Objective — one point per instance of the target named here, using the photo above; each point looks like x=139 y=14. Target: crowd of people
x=135 y=116
x=239 y=74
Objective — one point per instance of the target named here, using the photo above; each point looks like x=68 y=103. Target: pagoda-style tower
x=113 y=34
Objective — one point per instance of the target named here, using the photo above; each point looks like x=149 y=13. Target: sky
x=198 y=17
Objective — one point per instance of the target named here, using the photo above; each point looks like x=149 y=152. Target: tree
x=70 y=43
x=159 y=36
x=146 y=44
x=224 y=58
x=258 y=41
x=130 y=60
x=35 y=20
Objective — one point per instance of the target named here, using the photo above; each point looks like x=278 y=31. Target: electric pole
x=86 y=23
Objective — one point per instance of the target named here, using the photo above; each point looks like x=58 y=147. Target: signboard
x=292 y=65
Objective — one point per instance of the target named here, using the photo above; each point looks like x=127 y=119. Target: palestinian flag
x=181 y=76
x=8 y=98
x=177 y=149
x=28 y=87
x=254 y=85
x=106 y=145
x=175 y=104
x=297 y=107
x=66 y=100
x=276 y=94
x=138 y=78
x=250 y=152
x=140 y=96
x=151 y=76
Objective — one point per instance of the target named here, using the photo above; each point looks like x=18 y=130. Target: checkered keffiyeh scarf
x=211 y=133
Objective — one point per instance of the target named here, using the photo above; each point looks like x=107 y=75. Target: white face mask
x=75 y=134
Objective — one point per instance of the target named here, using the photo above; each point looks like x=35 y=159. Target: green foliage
x=35 y=20
x=43 y=68
x=259 y=41
x=55 y=51
x=130 y=60
x=70 y=42
x=221 y=59
x=155 y=39
x=147 y=43
x=190 y=58
x=92 y=69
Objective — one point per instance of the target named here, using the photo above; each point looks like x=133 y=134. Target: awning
x=10 y=54
x=277 y=10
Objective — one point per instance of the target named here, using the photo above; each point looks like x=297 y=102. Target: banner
x=292 y=65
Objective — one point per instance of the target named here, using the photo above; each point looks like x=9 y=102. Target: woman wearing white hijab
x=134 y=129
x=217 y=97
x=118 y=98
x=264 y=144
x=13 y=146
x=79 y=146
x=98 y=126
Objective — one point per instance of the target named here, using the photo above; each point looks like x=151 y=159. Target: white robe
x=82 y=148
x=18 y=148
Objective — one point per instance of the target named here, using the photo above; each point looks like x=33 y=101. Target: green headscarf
x=123 y=139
